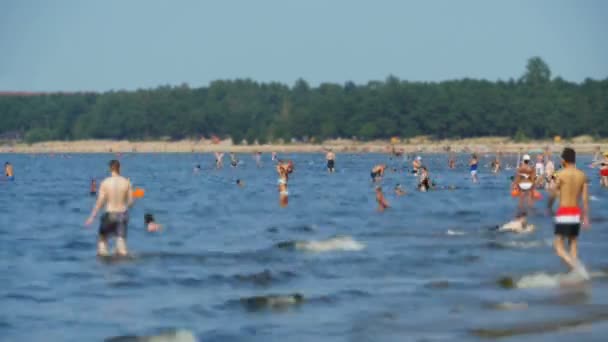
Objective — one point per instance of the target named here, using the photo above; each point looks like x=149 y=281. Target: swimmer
x=398 y=190
x=233 y=160
x=473 y=167
x=377 y=172
x=451 y=159
x=240 y=183
x=151 y=224
x=219 y=160
x=571 y=188
x=197 y=168
x=603 y=164
x=416 y=164
x=597 y=156
x=284 y=169
x=424 y=183
x=93 y=189
x=330 y=156
x=524 y=180
x=258 y=159
x=117 y=195
x=274 y=156
x=518 y=225
x=549 y=174
x=382 y=203
x=539 y=168
x=9 y=172
x=496 y=164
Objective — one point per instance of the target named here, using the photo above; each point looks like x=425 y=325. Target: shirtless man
x=117 y=195
x=382 y=203
x=219 y=160
x=571 y=188
x=377 y=172
x=9 y=172
x=284 y=169
x=524 y=180
x=330 y=156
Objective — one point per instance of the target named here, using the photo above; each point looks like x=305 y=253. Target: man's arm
x=101 y=199
x=585 y=195
x=130 y=198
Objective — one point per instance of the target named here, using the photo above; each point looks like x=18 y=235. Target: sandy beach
x=422 y=144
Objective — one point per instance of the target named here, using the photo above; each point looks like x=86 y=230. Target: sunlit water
x=232 y=265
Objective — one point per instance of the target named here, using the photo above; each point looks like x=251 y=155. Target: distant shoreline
x=478 y=145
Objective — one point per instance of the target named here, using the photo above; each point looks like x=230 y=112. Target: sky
x=74 y=45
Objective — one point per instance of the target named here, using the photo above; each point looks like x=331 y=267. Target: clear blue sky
x=128 y=44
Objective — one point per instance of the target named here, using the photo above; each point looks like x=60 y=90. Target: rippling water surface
x=231 y=265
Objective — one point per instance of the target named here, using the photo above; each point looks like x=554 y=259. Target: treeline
x=533 y=106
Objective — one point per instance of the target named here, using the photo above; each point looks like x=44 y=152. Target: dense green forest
x=533 y=106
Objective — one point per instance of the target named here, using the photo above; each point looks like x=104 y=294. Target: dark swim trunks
x=567 y=221
x=330 y=164
x=373 y=175
x=114 y=224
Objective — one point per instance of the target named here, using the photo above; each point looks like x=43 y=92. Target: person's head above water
x=569 y=155
x=115 y=166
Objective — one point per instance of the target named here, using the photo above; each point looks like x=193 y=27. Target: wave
x=167 y=336
x=338 y=243
x=547 y=280
x=455 y=232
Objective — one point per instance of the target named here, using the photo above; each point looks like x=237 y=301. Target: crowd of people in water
x=565 y=183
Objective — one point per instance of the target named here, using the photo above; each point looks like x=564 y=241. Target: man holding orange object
x=117 y=195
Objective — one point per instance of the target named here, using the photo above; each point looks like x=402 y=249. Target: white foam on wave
x=177 y=336
x=454 y=232
x=169 y=336
x=544 y=280
x=339 y=243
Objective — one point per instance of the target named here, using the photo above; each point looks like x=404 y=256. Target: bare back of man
x=571 y=189
x=115 y=193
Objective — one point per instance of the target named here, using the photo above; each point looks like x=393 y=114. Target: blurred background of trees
x=533 y=106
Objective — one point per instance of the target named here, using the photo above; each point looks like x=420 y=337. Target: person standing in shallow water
x=93 y=190
x=330 y=156
x=116 y=194
x=571 y=188
x=473 y=162
x=284 y=169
